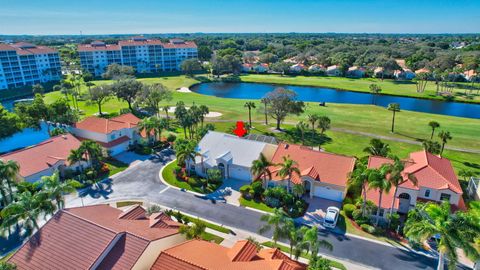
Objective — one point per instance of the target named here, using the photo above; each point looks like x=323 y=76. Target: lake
x=319 y=94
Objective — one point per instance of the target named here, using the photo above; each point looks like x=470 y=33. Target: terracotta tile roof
x=387 y=198
x=46 y=153
x=198 y=254
x=422 y=70
x=23 y=48
x=91 y=48
x=78 y=238
x=106 y=126
x=431 y=171
x=124 y=253
x=110 y=144
x=321 y=166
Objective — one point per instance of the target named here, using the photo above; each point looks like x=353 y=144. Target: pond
x=24 y=138
x=318 y=94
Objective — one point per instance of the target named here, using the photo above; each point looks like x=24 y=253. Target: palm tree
x=261 y=168
x=377 y=148
x=56 y=188
x=298 y=190
x=375 y=90
x=76 y=155
x=432 y=147
x=394 y=107
x=184 y=154
x=193 y=231
x=26 y=209
x=148 y=126
x=8 y=173
x=323 y=123
x=295 y=235
x=312 y=119
x=276 y=221
x=451 y=231
x=397 y=177
x=265 y=102
x=359 y=178
x=287 y=169
x=445 y=137
x=203 y=112
x=166 y=108
x=433 y=125
x=311 y=239
x=249 y=105
x=377 y=181
x=92 y=150
x=302 y=127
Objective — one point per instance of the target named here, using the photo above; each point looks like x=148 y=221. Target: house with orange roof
x=470 y=75
x=333 y=71
x=45 y=158
x=298 y=68
x=323 y=174
x=99 y=237
x=436 y=181
x=422 y=70
x=202 y=255
x=114 y=134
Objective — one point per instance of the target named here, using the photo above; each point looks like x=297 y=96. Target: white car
x=331 y=218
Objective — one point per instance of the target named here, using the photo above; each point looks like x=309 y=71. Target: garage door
x=118 y=149
x=328 y=193
x=239 y=173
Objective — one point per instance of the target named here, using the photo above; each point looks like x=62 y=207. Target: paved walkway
x=141 y=182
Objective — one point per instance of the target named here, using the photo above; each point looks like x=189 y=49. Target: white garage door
x=239 y=173
x=328 y=193
x=118 y=149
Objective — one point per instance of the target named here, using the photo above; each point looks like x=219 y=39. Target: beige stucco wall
x=269 y=150
x=435 y=195
x=152 y=251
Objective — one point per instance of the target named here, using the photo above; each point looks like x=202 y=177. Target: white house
x=315 y=68
x=261 y=67
x=231 y=154
x=45 y=158
x=405 y=74
x=115 y=134
x=356 y=72
x=297 y=68
x=333 y=71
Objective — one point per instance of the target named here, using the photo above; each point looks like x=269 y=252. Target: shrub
x=194 y=182
x=257 y=188
x=171 y=138
x=368 y=228
x=394 y=220
x=245 y=191
x=348 y=200
x=272 y=202
x=153 y=209
x=348 y=209
x=357 y=214
x=214 y=175
x=177 y=170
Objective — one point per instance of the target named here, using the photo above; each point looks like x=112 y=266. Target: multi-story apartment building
x=27 y=64
x=145 y=55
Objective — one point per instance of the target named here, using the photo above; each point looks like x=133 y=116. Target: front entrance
x=221 y=167
x=404 y=203
x=307 y=186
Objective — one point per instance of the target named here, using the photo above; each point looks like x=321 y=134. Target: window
x=445 y=196
x=427 y=193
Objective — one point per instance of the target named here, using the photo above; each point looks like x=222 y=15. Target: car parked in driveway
x=331 y=217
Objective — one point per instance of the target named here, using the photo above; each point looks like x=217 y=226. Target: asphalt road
x=142 y=182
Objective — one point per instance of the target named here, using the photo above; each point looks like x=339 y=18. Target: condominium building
x=27 y=64
x=145 y=55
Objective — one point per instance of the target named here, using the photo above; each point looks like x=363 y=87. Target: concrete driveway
x=131 y=158
x=317 y=208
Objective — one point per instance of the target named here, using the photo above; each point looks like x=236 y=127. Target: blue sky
x=167 y=16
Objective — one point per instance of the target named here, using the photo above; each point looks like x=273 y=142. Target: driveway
x=317 y=208
x=130 y=157
x=141 y=182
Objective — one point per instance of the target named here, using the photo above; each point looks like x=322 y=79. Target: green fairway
x=390 y=87
x=357 y=118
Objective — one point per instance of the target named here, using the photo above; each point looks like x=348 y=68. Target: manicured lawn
x=115 y=166
x=304 y=254
x=212 y=226
x=212 y=238
x=391 y=87
x=193 y=183
x=255 y=204
x=362 y=118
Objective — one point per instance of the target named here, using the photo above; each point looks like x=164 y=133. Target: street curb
x=169 y=185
